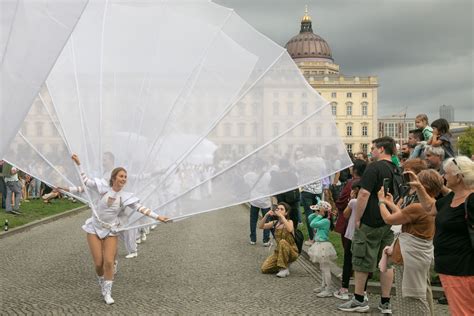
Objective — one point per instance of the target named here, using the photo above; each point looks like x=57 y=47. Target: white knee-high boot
x=108 y=292
x=100 y=280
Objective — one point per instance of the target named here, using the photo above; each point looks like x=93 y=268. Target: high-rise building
x=447 y=112
x=353 y=98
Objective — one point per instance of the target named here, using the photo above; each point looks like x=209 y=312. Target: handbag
x=469 y=222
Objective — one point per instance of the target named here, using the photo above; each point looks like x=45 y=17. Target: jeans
x=308 y=199
x=253 y=223
x=13 y=187
x=34 y=188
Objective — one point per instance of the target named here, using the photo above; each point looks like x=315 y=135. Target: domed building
x=353 y=98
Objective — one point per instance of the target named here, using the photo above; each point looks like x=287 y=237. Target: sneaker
x=309 y=242
x=324 y=293
x=342 y=294
x=319 y=289
x=283 y=273
x=267 y=244
x=138 y=241
x=131 y=255
x=143 y=236
x=354 y=306
x=385 y=308
x=15 y=212
x=252 y=242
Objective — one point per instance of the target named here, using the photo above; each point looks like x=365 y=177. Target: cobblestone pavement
x=202 y=265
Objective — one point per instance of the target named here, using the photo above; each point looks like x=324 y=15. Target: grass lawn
x=35 y=210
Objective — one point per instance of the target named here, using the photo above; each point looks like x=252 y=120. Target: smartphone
x=386 y=185
x=406 y=177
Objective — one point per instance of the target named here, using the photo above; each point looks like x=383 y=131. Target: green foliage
x=466 y=142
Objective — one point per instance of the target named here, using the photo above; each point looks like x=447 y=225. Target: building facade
x=447 y=112
x=353 y=99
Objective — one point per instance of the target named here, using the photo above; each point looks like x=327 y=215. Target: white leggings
x=325 y=275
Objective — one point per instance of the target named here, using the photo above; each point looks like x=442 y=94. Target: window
x=333 y=94
x=241 y=129
x=255 y=108
x=365 y=107
x=365 y=130
x=241 y=109
x=348 y=108
x=334 y=108
x=241 y=149
x=226 y=148
x=349 y=130
x=290 y=108
x=318 y=131
x=254 y=129
x=349 y=94
x=304 y=108
x=276 y=129
x=364 y=148
x=305 y=130
x=364 y=94
x=276 y=108
x=227 y=129
x=290 y=131
x=349 y=148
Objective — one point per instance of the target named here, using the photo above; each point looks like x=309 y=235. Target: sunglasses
x=457 y=165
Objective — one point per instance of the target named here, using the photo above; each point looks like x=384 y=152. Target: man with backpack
x=372 y=235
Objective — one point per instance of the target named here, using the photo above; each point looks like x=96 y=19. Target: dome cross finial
x=306 y=17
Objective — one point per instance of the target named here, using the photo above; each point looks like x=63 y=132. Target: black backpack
x=400 y=187
x=299 y=239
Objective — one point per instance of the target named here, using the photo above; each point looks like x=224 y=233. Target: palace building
x=353 y=99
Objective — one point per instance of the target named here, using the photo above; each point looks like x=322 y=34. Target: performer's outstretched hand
x=163 y=219
x=75 y=158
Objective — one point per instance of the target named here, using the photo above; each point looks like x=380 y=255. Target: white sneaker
x=309 y=242
x=342 y=294
x=138 y=241
x=319 y=289
x=324 y=293
x=143 y=236
x=153 y=227
x=131 y=255
x=252 y=242
x=267 y=244
x=283 y=273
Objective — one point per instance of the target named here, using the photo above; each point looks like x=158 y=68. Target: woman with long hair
x=286 y=250
x=101 y=228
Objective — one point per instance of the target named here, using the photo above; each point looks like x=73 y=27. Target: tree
x=466 y=142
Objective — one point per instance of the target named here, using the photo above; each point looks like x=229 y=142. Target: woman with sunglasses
x=453 y=251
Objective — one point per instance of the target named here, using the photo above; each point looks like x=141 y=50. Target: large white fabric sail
x=189 y=98
x=32 y=35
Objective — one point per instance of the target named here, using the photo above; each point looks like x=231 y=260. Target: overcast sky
x=421 y=50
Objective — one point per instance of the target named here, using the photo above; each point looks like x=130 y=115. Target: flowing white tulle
x=189 y=98
x=32 y=35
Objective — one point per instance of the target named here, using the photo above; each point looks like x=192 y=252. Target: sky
x=421 y=50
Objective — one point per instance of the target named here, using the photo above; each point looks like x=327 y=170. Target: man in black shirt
x=372 y=235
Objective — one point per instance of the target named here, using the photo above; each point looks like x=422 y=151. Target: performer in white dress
x=102 y=227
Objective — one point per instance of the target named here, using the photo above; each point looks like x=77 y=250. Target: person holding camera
x=286 y=250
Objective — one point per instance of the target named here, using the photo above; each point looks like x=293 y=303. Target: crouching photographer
x=286 y=250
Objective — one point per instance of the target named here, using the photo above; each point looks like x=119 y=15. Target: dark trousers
x=3 y=189
x=253 y=223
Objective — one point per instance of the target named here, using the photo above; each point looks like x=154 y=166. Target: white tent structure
x=135 y=74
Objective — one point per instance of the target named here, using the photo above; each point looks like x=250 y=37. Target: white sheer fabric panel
x=189 y=98
x=32 y=34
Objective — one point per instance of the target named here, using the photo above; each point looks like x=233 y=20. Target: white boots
x=100 y=280
x=107 y=292
x=106 y=289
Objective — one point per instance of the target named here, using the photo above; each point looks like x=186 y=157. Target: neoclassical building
x=353 y=99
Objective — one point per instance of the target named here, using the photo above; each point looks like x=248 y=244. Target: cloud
x=422 y=51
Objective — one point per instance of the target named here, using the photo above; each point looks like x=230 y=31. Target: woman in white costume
x=102 y=227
